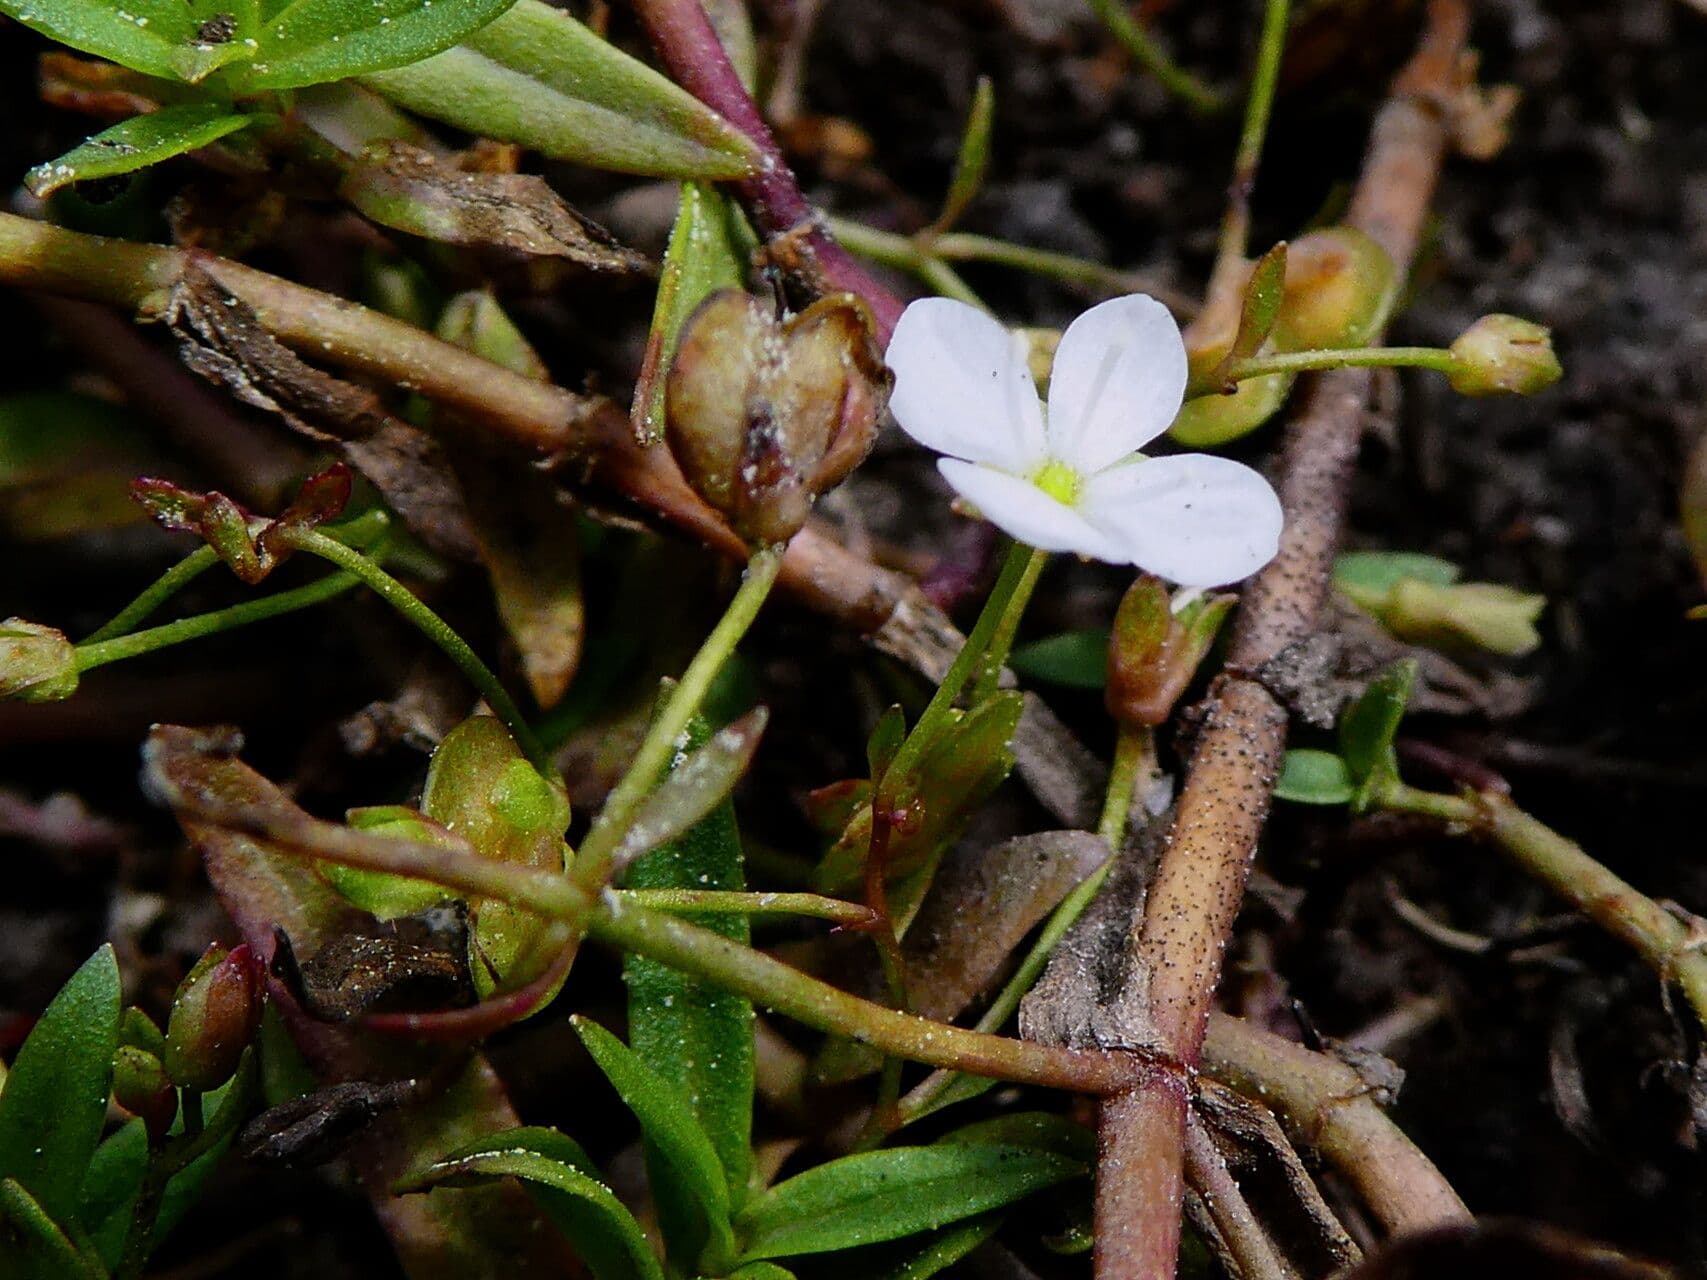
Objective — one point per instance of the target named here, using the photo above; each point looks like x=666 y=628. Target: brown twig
x=1326 y=1105
x=1200 y=879
x=1240 y=1231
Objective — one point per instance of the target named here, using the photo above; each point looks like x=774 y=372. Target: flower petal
x=1118 y=382
x=1192 y=518
x=962 y=386
x=1023 y=511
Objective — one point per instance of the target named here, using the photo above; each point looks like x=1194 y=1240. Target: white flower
x=1072 y=479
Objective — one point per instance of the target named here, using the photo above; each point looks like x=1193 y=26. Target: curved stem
x=1259 y=105
x=156 y=594
x=1136 y=41
x=1668 y=945
x=429 y=624
x=593 y=861
x=1007 y=626
x=101 y=652
x=735 y=902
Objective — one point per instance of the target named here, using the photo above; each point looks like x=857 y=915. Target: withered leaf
x=378 y=972
x=1008 y=890
x=221 y=338
x=316 y=1127
x=410 y=189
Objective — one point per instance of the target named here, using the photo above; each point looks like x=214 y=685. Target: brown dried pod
x=763 y=414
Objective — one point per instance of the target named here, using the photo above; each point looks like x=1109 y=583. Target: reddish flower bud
x=1153 y=653
x=215 y=1015
x=765 y=414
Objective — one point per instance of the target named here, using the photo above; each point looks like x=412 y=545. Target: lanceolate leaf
x=563 y=1181
x=55 y=1097
x=137 y=143
x=668 y=1121
x=702 y=257
x=539 y=78
x=687 y=1029
x=316 y=41
x=155 y=37
x=695 y=788
x=884 y=1195
x=1077 y=659
x=36 y=1245
x=1368 y=725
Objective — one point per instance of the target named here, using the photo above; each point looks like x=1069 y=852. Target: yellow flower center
x=1059 y=481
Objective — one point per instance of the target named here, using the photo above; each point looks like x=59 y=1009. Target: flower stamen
x=1059 y=481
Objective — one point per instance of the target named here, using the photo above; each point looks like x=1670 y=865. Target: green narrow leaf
x=563 y=1182
x=137 y=143
x=1368 y=725
x=688 y=1030
x=884 y=1195
x=885 y=741
x=537 y=77
x=315 y=41
x=36 y=1246
x=150 y=36
x=1077 y=659
x=1308 y=776
x=1263 y=296
x=668 y=1120
x=973 y=159
x=55 y=1099
x=703 y=256
x=695 y=787
x=761 y=1271
x=1041 y=1130
x=946 y=1248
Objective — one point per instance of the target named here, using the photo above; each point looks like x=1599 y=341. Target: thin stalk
x=156 y=594
x=1668 y=945
x=617 y=920
x=1259 y=106
x=734 y=902
x=1134 y=750
x=99 y=653
x=1434 y=358
x=1007 y=626
x=1136 y=41
x=593 y=861
x=435 y=628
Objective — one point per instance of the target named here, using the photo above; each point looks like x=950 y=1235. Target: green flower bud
x=1340 y=287
x=1503 y=354
x=37 y=663
x=140 y=1086
x=1484 y=614
x=215 y=1015
x=763 y=414
x=137 y=1029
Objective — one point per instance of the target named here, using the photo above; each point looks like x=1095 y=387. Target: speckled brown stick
x=1200 y=880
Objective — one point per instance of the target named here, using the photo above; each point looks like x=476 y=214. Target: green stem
x=909 y=253
x=1134 y=749
x=1259 y=105
x=1187 y=87
x=1358 y=357
x=1007 y=626
x=616 y=920
x=968 y=662
x=593 y=862
x=775 y=985
x=1669 y=946
x=137 y=643
x=734 y=902
x=435 y=628
x=156 y=594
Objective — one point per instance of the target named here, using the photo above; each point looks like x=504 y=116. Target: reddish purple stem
x=686 y=41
